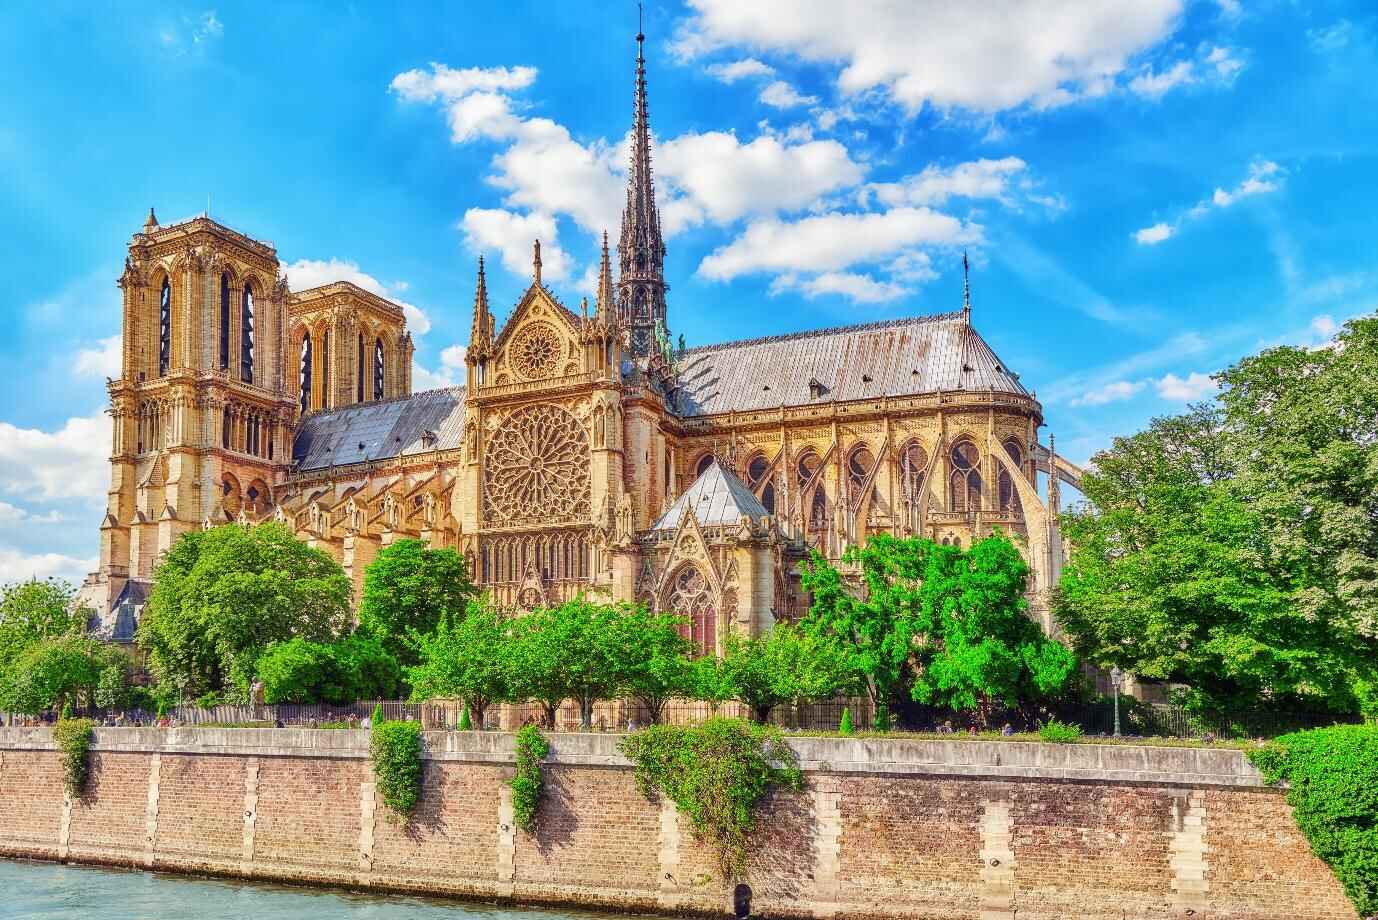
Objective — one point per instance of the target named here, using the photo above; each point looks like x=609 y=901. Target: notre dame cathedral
x=585 y=453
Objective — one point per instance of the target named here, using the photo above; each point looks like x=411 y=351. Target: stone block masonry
x=883 y=828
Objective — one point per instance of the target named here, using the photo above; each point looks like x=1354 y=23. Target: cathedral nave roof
x=381 y=430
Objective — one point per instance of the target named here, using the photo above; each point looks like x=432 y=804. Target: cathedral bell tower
x=641 y=283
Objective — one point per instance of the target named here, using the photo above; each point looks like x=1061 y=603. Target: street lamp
x=1116 y=675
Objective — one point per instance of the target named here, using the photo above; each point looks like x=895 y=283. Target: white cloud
x=1264 y=176
x=1331 y=38
x=105 y=360
x=207 y=28
x=715 y=176
x=513 y=236
x=443 y=82
x=72 y=462
x=1115 y=391
x=782 y=95
x=1225 y=62
x=737 y=70
x=451 y=372
x=12 y=514
x=1325 y=326
x=1192 y=388
x=830 y=242
x=982 y=178
x=933 y=52
x=858 y=288
x=1230 y=9
x=16 y=565
x=304 y=274
x=1152 y=236
x=1154 y=85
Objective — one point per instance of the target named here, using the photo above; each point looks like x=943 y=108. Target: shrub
x=73 y=739
x=464 y=724
x=395 y=748
x=1056 y=732
x=845 y=727
x=715 y=773
x=527 y=780
x=1332 y=777
x=377 y=717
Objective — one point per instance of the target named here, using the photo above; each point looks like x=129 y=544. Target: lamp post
x=1116 y=675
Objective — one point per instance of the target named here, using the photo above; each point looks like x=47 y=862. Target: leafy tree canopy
x=408 y=590
x=786 y=665
x=51 y=673
x=1235 y=548
x=354 y=668
x=33 y=610
x=466 y=659
x=222 y=596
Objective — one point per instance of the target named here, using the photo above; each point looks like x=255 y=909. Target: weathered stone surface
x=882 y=828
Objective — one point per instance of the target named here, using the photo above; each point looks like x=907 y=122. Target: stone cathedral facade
x=585 y=453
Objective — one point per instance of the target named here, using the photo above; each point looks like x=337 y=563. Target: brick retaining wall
x=920 y=829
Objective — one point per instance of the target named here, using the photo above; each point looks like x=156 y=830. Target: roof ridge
x=830 y=330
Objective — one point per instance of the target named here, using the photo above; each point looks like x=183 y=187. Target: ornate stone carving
x=535 y=352
x=536 y=468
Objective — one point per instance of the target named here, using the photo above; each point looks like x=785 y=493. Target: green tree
x=354 y=668
x=467 y=659
x=532 y=660
x=408 y=590
x=33 y=610
x=785 y=665
x=222 y=596
x=876 y=624
x=52 y=673
x=978 y=648
x=657 y=658
x=1183 y=567
x=579 y=650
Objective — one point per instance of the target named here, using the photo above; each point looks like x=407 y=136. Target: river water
x=46 y=891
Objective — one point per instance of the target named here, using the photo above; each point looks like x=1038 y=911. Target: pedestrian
x=1007 y=730
x=366 y=723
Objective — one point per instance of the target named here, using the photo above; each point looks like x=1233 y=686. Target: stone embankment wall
x=949 y=829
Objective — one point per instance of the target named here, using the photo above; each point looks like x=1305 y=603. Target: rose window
x=536 y=468
x=536 y=351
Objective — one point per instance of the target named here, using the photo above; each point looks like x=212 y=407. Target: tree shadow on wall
x=426 y=820
x=556 y=817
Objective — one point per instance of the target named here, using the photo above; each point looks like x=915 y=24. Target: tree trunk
x=552 y=710
x=477 y=709
x=761 y=714
x=586 y=713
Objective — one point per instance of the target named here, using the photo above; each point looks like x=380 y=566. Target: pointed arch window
x=704 y=463
x=913 y=468
x=859 y=465
x=377 y=369
x=325 y=369
x=246 y=326
x=224 y=321
x=164 y=328
x=306 y=372
x=1008 y=495
x=359 y=372
x=966 y=477
x=691 y=598
x=757 y=470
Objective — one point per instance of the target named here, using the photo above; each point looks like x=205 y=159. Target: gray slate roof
x=718 y=497
x=121 y=621
x=901 y=357
x=377 y=431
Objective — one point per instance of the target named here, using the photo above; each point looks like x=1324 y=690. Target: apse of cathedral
x=586 y=452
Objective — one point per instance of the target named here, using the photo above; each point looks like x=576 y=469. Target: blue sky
x=1149 y=189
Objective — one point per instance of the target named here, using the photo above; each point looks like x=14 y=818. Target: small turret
x=152 y=222
x=536 y=264
x=481 y=331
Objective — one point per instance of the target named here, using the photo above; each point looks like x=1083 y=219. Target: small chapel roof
x=422 y=422
x=718 y=498
x=901 y=357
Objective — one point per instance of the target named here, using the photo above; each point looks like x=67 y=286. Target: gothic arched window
x=808 y=465
x=164 y=328
x=704 y=463
x=818 y=509
x=913 y=468
x=966 y=477
x=377 y=369
x=1008 y=495
x=757 y=469
x=246 y=329
x=224 y=321
x=859 y=466
x=305 y=372
x=359 y=372
x=325 y=369
x=692 y=599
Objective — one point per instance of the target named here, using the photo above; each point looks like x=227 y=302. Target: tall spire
x=481 y=330
x=536 y=263
x=966 y=289
x=641 y=250
x=604 y=304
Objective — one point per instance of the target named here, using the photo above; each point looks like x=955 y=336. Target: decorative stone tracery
x=536 y=468
x=535 y=352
